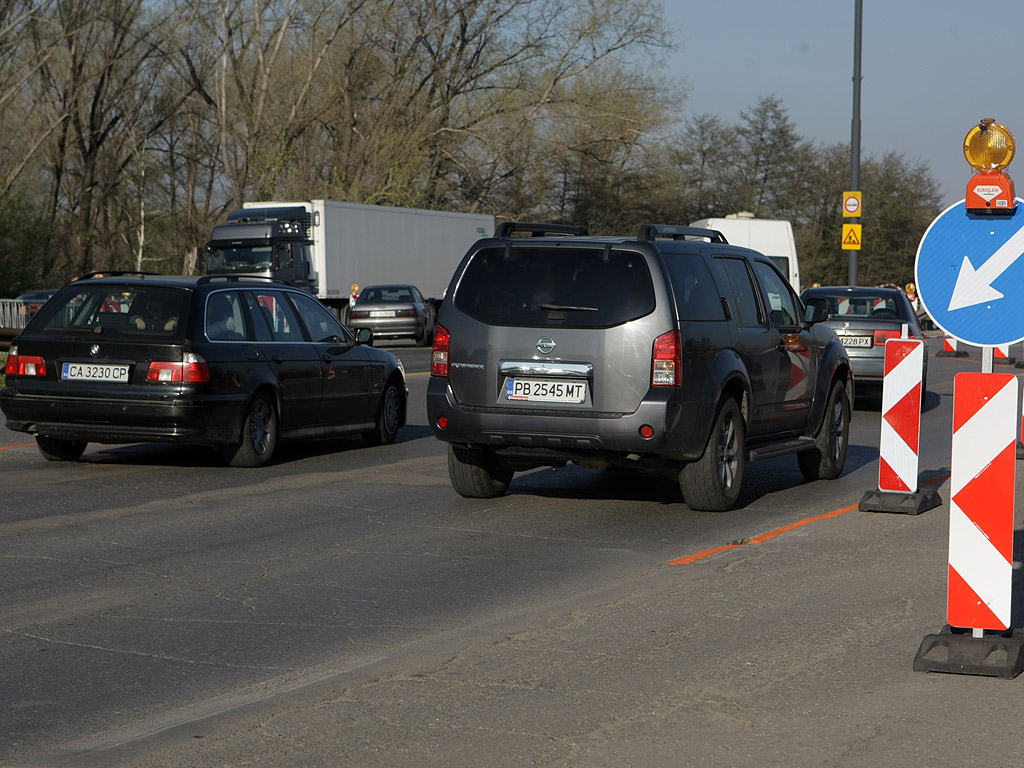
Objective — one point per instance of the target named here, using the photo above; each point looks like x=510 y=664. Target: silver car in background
x=864 y=318
x=394 y=312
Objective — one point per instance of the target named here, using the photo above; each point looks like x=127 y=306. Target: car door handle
x=277 y=359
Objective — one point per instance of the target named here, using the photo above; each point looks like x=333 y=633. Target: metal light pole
x=855 y=131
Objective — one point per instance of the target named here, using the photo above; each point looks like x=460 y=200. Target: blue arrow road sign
x=970 y=275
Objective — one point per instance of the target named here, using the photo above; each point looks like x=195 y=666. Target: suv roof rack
x=649 y=232
x=115 y=273
x=509 y=228
x=238 y=278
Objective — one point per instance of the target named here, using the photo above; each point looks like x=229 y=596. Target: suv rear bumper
x=571 y=434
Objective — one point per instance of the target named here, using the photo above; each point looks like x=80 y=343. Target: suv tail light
x=192 y=371
x=24 y=365
x=667 y=360
x=439 y=357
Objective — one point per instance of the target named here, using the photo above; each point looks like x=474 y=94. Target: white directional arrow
x=974 y=286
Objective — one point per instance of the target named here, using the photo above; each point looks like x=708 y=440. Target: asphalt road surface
x=344 y=607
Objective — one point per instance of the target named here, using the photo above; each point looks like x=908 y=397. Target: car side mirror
x=364 y=336
x=817 y=309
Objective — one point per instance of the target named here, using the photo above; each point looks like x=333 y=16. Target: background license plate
x=382 y=313
x=545 y=390
x=94 y=372
x=856 y=341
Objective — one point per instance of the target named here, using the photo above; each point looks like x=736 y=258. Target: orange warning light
x=989 y=149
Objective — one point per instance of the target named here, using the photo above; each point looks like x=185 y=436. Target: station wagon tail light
x=439 y=357
x=193 y=370
x=667 y=362
x=24 y=365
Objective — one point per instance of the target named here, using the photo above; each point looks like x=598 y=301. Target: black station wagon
x=236 y=362
x=671 y=351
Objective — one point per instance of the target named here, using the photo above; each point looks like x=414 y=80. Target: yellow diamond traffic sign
x=851 y=237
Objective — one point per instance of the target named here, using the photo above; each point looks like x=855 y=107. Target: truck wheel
x=389 y=416
x=53 y=449
x=475 y=473
x=259 y=436
x=712 y=483
x=828 y=457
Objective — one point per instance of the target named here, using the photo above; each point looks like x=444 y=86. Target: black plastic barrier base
x=950 y=353
x=993 y=655
x=900 y=503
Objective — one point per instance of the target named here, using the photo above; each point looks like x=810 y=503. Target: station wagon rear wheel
x=712 y=483
x=475 y=473
x=828 y=457
x=54 y=449
x=259 y=436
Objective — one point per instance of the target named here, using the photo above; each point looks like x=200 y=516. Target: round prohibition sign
x=852 y=204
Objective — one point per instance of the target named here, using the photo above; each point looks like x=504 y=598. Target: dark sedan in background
x=237 y=363
x=864 y=318
x=394 y=312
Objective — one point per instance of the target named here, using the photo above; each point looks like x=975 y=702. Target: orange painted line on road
x=23 y=445
x=763 y=537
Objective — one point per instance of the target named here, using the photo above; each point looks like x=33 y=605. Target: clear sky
x=930 y=70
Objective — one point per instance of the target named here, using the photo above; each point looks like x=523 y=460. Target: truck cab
x=272 y=242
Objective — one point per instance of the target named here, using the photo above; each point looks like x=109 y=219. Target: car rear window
x=129 y=310
x=386 y=294
x=862 y=304
x=555 y=286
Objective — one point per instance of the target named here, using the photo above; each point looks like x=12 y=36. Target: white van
x=772 y=237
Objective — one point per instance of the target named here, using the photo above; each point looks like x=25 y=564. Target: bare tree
x=22 y=55
x=259 y=67
x=96 y=88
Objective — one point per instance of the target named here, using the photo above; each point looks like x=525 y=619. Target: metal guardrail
x=13 y=314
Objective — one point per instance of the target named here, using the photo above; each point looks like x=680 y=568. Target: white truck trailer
x=327 y=246
x=772 y=237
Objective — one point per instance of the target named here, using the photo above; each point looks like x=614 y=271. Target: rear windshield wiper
x=566 y=308
x=96 y=329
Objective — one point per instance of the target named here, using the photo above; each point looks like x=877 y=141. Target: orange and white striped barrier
x=899 y=441
x=949 y=348
x=982 y=485
x=981 y=493
x=901 y=415
x=1001 y=354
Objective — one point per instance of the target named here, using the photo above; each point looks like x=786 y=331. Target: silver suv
x=672 y=352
